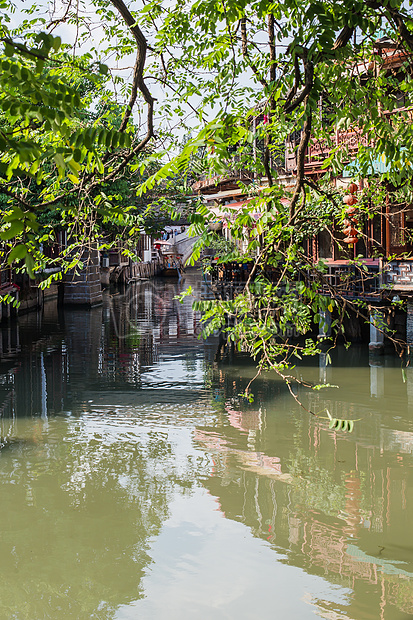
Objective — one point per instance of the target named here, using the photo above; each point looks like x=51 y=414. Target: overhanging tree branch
x=246 y=55
x=138 y=79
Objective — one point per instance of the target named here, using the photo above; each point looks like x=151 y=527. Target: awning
x=237 y=205
x=228 y=212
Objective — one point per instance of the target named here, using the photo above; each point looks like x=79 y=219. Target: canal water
x=134 y=483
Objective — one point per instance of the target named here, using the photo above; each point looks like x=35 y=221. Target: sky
x=49 y=9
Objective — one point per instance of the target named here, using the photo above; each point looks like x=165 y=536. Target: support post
x=14 y=310
x=6 y=311
x=324 y=324
x=376 y=344
x=409 y=325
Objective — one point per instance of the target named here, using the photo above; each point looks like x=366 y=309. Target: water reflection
x=124 y=445
x=340 y=505
x=143 y=337
x=80 y=502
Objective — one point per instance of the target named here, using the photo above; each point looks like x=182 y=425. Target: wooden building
x=384 y=241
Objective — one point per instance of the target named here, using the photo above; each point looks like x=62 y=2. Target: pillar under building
x=409 y=325
x=324 y=324
x=377 y=326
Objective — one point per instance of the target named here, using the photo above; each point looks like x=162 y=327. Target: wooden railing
x=215 y=180
x=319 y=150
x=351 y=281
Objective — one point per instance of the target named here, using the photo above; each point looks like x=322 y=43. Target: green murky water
x=133 y=484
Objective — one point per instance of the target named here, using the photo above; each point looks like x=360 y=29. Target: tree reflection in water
x=109 y=416
x=81 y=500
x=338 y=505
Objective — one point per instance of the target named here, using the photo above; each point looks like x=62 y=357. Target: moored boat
x=172 y=265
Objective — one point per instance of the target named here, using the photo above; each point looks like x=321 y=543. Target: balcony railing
x=232 y=176
x=319 y=150
x=364 y=281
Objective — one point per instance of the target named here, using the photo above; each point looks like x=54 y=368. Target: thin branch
x=61 y=20
x=26 y=51
x=291 y=104
x=301 y=154
x=246 y=55
x=138 y=81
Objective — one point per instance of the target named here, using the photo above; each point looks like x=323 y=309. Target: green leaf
x=15 y=214
x=57 y=42
x=100 y=166
x=16 y=228
x=74 y=165
x=8 y=50
x=60 y=162
x=29 y=261
x=17 y=253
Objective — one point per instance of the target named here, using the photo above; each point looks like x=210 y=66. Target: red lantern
x=353 y=188
x=349 y=199
x=350 y=211
x=350 y=240
x=350 y=231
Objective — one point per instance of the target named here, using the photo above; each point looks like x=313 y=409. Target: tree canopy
x=133 y=80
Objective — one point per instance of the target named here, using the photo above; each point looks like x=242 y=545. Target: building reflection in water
x=335 y=505
x=49 y=361
x=338 y=505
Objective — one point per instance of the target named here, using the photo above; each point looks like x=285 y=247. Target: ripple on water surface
x=136 y=484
